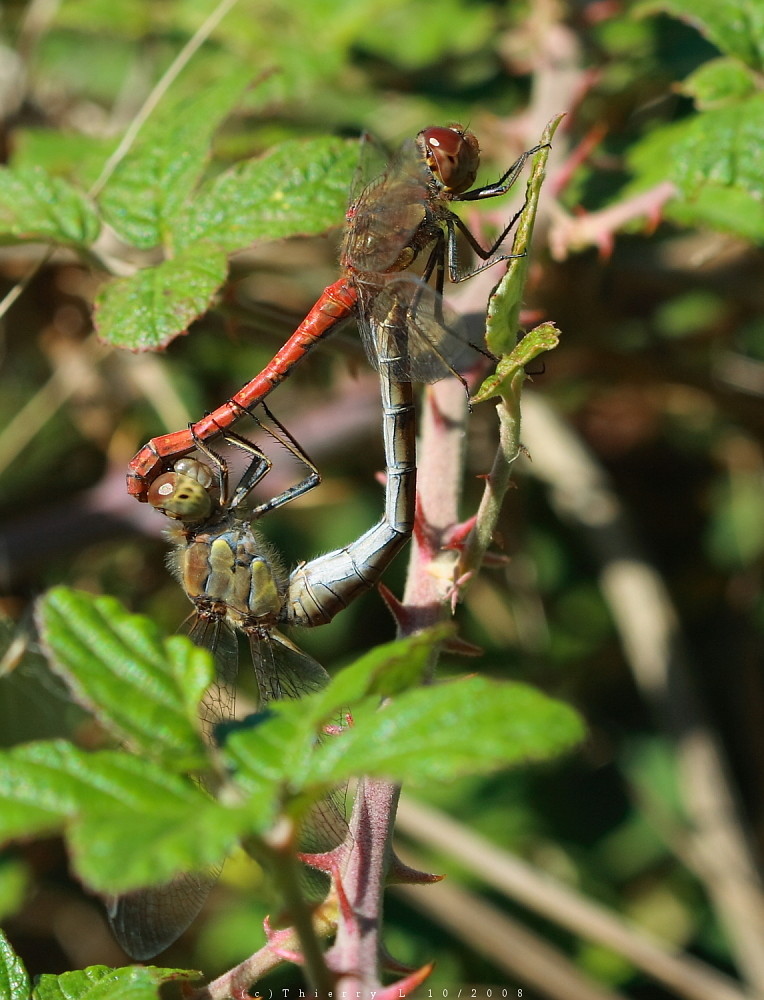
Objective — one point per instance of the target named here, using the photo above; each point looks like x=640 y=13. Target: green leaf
x=511 y=367
x=437 y=733
x=722 y=147
x=143 y=688
x=98 y=982
x=297 y=188
x=725 y=209
x=130 y=822
x=736 y=27
x=384 y=671
x=76 y=157
x=719 y=82
x=14 y=879
x=504 y=307
x=150 y=188
x=36 y=206
x=389 y=34
x=714 y=159
x=45 y=784
x=149 y=309
x=278 y=746
x=14 y=981
x=123 y=849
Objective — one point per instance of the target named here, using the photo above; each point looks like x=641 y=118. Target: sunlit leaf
x=736 y=27
x=36 y=206
x=503 y=320
x=14 y=981
x=129 y=822
x=98 y=982
x=143 y=688
x=719 y=82
x=152 y=307
x=434 y=733
x=297 y=188
x=151 y=187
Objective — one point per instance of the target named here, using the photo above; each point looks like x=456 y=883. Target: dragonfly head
x=453 y=156
x=184 y=493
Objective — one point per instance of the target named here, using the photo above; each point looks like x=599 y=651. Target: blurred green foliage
x=659 y=370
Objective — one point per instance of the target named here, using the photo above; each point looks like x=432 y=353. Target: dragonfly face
x=184 y=494
x=452 y=155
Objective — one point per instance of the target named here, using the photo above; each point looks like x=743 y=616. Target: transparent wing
x=373 y=161
x=282 y=669
x=416 y=337
x=285 y=671
x=147 y=921
x=382 y=220
x=214 y=633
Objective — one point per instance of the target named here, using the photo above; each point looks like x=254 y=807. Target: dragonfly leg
x=285 y=439
x=321 y=588
x=507 y=179
x=501 y=187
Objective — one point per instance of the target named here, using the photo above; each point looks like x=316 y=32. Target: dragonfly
x=237 y=584
x=396 y=217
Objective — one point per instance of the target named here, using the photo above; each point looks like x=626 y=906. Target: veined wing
x=147 y=921
x=416 y=337
x=213 y=632
x=386 y=214
x=283 y=670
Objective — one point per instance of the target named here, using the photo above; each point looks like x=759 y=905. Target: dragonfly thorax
x=232 y=569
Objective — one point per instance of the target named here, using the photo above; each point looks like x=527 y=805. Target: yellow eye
x=180 y=497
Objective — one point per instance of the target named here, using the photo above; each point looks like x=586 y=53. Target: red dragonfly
x=396 y=217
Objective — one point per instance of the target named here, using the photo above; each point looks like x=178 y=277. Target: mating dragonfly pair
x=227 y=571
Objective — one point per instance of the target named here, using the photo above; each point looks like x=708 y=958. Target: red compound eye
x=453 y=155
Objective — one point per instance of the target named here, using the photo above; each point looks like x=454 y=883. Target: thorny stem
x=286 y=872
x=441 y=464
x=357 y=949
x=497 y=483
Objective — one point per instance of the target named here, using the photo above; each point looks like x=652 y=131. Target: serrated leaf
x=728 y=210
x=384 y=671
x=130 y=823
x=723 y=147
x=150 y=187
x=297 y=188
x=36 y=206
x=716 y=158
x=14 y=981
x=149 y=309
x=45 y=784
x=98 y=982
x=143 y=688
x=503 y=321
x=437 y=733
x=719 y=82
x=122 y=850
x=736 y=27
x=278 y=743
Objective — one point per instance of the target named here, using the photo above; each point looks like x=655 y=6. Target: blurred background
x=635 y=533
